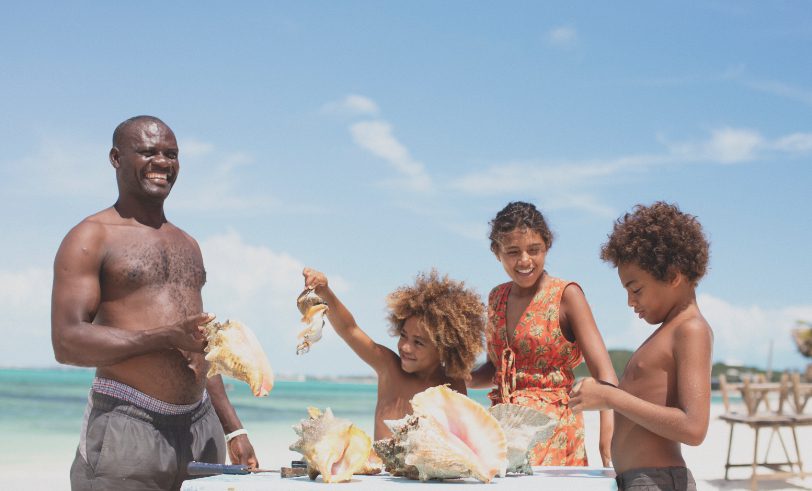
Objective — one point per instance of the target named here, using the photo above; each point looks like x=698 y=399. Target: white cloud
x=729 y=145
x=211 y=181
x=746 y=332
x=25 y=300
x=250 y=283
x=377 y=138
x=743 y=334
x=569 y=184
x=782 y=89
x=794 y=143
x=241 y=275
x=353 y=104
x=562 y=36
x=529 y=176
x=258 y=286
x=736 y=145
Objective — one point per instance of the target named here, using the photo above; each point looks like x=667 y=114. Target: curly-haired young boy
x=440 y=325
x=663 y=398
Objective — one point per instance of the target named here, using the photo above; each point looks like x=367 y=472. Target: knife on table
x=207 y=469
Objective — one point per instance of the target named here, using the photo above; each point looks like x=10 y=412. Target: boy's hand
x=314 y=279
x=588 y=395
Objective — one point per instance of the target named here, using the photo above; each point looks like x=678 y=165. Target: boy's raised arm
x=688 y=422
x=373 y=354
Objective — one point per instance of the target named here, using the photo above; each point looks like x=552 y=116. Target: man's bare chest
x=154 y=264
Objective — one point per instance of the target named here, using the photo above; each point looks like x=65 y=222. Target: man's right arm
x=76 y=297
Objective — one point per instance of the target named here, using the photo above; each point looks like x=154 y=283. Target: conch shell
x=448 y=436
x=234 y=350
x=332 y=447
x=313 y=309
x=524 y=428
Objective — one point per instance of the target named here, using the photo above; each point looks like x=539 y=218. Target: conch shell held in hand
x=524 y=428
x=234 y=350
x=313 y=309
x=332 y=447
x=447 y=436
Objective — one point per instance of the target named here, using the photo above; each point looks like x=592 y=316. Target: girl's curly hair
x=521 y=215
x=660 y=239
x=454 y=317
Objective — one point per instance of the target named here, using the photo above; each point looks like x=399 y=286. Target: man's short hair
x=122 y=127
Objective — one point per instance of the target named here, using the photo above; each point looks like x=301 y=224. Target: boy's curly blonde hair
x=454 y=317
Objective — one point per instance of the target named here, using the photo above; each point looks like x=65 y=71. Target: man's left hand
x=240 y=451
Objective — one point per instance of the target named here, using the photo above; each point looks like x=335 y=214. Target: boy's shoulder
x=692 y=323
x=688 y=334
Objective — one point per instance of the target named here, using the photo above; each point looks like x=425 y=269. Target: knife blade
x=207 y=469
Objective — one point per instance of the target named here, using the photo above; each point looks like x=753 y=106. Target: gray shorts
x=126 y=447
x=657 y=479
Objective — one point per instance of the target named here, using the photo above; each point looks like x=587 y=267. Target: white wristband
x=230 y=436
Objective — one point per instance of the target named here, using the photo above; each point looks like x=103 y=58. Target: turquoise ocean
x=41 y=413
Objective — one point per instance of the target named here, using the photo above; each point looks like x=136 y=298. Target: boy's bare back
x=655 y=373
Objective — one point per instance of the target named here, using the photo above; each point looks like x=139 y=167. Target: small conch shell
x=332 y=447
x=234 y=350
x=447 y=436
x=524 y=427
x=313 y=309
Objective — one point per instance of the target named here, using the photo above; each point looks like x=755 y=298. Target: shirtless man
x=127 y=300
x=663 y=398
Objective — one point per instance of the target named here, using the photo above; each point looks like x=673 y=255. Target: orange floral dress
x=536 y=369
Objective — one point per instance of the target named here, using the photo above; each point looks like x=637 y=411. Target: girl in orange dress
x=540 y=328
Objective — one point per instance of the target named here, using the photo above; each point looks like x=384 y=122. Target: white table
x=567 y=478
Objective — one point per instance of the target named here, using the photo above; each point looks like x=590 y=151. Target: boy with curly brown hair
x=663 y=398
x=440 y=324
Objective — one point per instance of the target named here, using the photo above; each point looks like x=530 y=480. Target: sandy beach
x=34 y=466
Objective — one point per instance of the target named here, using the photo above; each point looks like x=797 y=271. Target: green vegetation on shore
x=620 y=357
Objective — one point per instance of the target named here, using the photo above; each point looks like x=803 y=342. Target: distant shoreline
x=280 y=377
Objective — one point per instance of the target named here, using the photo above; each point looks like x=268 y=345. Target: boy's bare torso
x=394 y=393
x=151 y=278
x=650 y=375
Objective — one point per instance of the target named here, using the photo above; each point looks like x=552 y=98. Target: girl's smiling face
x=522 y=253
x=417 y=352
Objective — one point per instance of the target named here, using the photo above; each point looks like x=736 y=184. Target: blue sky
x=374 y=140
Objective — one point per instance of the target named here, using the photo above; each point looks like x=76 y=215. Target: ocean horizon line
x=279 y=377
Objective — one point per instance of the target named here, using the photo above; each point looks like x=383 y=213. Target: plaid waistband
x=126 y=393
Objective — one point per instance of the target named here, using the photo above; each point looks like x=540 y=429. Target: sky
x=376 y=140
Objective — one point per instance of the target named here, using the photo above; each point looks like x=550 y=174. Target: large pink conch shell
x=448 y=436
x=333 y=447
x=234 y=350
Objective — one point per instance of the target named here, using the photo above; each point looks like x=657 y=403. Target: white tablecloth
x=544 y=478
